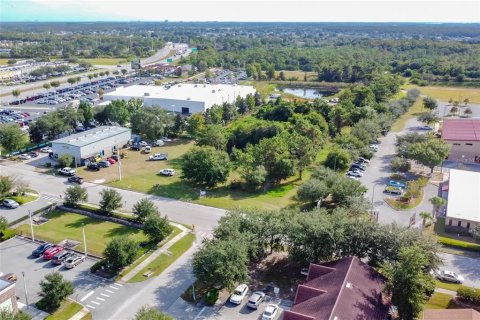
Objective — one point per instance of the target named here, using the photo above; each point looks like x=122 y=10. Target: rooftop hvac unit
x=146 y=94
x=213 y=91
x=188 y=98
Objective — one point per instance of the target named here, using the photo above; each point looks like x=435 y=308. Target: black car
x=136 y=147
x=115 y=157
x=33 y=154
x=356 y=166
x=93 y=166
x=75 y=179
x=41 y=249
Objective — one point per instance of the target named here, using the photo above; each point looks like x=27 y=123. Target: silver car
x=255 y=299
x=9 y=203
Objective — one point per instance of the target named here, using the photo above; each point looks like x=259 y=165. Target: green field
x=3 y=62
x=67 y=310
x=105 y=61
x=438 y=301
x=163 y=261
x=65 y=225
x=447 y=93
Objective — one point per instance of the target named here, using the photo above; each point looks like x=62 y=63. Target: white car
x=255 y=299
x=9 y=203
x=67 y=171
x=239 y=294
x=73 y=260
x=374 y=147
x=25 y=156
x=46 y=150
x=158 y=156
x=167 y=172
x=353 y=173
x=147 y=149
x=449 y=276
x=270 y=312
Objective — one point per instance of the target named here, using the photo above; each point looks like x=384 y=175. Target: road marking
x=95 y=302
x=101 y=299
x=87 y=295
x=109 y=291
x=105 y=295
x=118 y=284
x=200 y=313
x=113 y=288
x=89 y=306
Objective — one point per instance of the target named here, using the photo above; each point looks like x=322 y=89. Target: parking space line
x=118 y=284
x=105 y=295
x=90 y=307
x=87 y=295
x=113 y=288
x=101 y=299
x=109 y=291
x=95 y=302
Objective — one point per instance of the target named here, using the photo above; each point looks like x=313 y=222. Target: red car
x=50 y=252
x=111 y=160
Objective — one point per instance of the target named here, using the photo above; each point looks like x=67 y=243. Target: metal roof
x=93 y=135
x=463 y=201
x=461 y=129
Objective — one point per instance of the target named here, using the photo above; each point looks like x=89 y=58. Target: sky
x=246 y=10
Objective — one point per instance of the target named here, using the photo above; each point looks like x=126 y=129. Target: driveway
x=239 y=312
x=377 y=175
x=468 y=267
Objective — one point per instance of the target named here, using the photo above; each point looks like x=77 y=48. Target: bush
x=7 y=234
x=97 y=266
x=111 y=200
x=211 y=297
x=65 y=160
x=459 y=244
x=475 y=232
x=469 y=295
x=400 y=164
x=337 y=160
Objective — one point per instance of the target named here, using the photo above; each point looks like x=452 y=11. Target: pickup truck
x=67 y=171
x=158 y=156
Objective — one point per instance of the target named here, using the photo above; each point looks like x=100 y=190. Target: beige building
x=8 y=300
x=463 y=206
x=463 y=136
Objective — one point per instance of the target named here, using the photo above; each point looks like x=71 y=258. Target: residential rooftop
x=463 y=200
x=461 y=129
x=93 y=135
x=450 y=314
x=4 y=284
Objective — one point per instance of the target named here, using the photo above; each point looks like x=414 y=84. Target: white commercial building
x=100 y=141
x=183 y=98
x=463 y=205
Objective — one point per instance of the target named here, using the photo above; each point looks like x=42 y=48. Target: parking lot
x=15 y=257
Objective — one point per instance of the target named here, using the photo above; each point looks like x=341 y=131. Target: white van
x=147 y=149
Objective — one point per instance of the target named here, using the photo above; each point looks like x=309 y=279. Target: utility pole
x=84 y=239
x=25 y=288
x=193 y=292
x=31 y=225
x=119 y=165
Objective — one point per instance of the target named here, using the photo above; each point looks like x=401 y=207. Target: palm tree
x=437 y=203
x=47 y=86
x=425 y=216
x=16 y=93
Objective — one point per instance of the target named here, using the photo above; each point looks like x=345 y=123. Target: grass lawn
x=455 y=93
x=401 y=205
x=452 y=240
x=263 y=87
x=24 y=199
x=438 y=301
x=65 y=225
x=88 y=316
x=67 y=310
x=300 y=75
x=449 y=285
x=412 y=112
x=105 y=61
x=175 y=232
x=164 y=260
x=3 y=62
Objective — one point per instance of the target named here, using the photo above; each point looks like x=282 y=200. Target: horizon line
x=236 y=21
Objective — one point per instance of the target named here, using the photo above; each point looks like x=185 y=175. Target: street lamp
x=84 y=239
x=25 y=288
x=31 y=225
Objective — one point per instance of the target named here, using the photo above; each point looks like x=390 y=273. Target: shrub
x=97 y=266
x=65 y=160
x=469 y=295
x=475 y=232
x=400 y=164
x=459 y=244
x=211 y=297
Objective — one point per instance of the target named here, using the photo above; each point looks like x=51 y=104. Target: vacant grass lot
x=438 y=301
x=3 y=62
x=412 y=112
x=105 y=61
x=300 y=75
x=455 y=93
x=66 y=225
x=67 y=310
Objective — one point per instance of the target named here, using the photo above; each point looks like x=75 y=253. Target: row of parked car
x=269 y=313
x=11 y=116
x=58 y=255
x=357 y=169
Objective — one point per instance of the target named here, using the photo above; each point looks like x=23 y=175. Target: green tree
x=282 y=76
x=65 y=160
x=205 y=166
x=338 y=159
x=123 y=71
x=144 y=208
x=195 y=124
x=12 y=137
x=213 y=135
x=3 y=224
x=72 y=81
x=425 y=216
x=179 y=124
x=400 y=164
x=430 y=117
x=150 y=313
x=117 y=111
x=313 y=190
x=6 y=185
x=302 y=150
x=430 y=103
x=111 y=200
x=53 y=290
x=47 y=86
x=120 y=252
x=152 y=123
x=86 y=111
x=224 y=262
x=437 y=202
x=6 y=314
x=16 y=93
x=75 y=194
x=271 y=72
x=430 y=153
x=409 y=282
x=157 y=228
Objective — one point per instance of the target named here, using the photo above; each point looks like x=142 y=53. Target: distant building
x=182 y=98
x=450 y=314
x=463 y=135
x=8 y=299
x=340 y=290
x=100 y=141
x=463 y=204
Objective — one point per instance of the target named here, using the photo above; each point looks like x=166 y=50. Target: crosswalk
x=50 y=198
x=94 y=299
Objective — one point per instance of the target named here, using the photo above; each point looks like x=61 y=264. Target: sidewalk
x=157 y=252
x=32 y=311
x=450 y=292
x=80 y=314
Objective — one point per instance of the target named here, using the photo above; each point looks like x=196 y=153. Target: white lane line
x=109 y=291
x=87 y=295
x=113 y=288
x=101 y=299
x=199 y=314
x=105 y=295
x=95 y=302
x=118 y=284
x=90 y=307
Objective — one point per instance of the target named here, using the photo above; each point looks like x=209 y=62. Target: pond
x=307 y=93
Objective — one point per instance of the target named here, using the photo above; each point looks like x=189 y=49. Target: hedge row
x=469 y=295
x=459 y=244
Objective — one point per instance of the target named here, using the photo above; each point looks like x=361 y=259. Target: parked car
x=239 y=294
x=357 y=174
x=427 y=128
x=41 y=249
x=449 y=276
x=61 y=256
x=158 y=156
x=25 y=156
x=360 y=164
x=75 y=179
x=46 y=150
x=354 y=167
x=374 y=147
x=103 y=164
x=33 y=154
x=363 y=160
x=9 y=203
x=50 y=252
x=394 y=190
x=143 y=143
x=73 y=261
x=167 y=172
x=158 y=143
x=270 y=312
x=147 y=149
x=12 y=277
x=67 y=171
x=136 y=147
x=93 y=166
x=353 y=178
x=397 y=184
x=115 y=157
x=111 y=160
x=255 y=299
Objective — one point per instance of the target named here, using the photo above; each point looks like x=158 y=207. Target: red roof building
x=461 y=129
x=345 y=289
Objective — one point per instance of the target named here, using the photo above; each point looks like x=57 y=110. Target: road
x=468 y=267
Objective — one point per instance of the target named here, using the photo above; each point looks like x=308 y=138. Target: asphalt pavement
x=468 y=267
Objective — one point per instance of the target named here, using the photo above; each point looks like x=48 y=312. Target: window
x=449 y=222
x=185 y=110
x=468 y=225
x=459 y=223
x=468 y=144
x=457 y=144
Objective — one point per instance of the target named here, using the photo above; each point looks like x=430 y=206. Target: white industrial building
x=99 y=141
x=182 y=98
